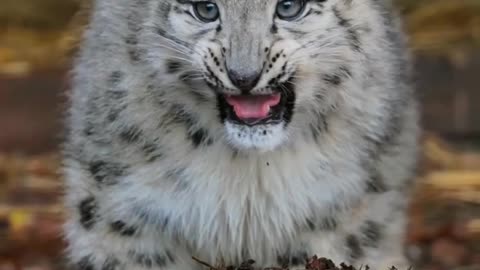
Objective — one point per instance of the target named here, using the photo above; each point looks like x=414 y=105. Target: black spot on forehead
x=88 y=212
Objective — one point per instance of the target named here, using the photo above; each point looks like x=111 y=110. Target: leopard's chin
x=262 y=137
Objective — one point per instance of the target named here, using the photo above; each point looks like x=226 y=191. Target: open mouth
x=254 y=110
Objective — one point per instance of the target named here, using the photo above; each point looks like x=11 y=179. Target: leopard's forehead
x=240 y=12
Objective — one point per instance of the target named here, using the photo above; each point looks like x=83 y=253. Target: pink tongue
x=256 y=107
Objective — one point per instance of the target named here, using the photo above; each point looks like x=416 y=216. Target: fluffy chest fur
x=223 y=203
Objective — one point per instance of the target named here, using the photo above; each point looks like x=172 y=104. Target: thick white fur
x=234 y=199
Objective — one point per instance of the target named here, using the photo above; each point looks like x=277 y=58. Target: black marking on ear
x=173 y=66
x=355 y=250
x=88 y=212
x=111 y=263
x=123 y=229
x=106 y=173
x=85 y=263
x=372 y=233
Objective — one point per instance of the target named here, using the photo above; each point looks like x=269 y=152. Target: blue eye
x=206 y=11
x=290 y=9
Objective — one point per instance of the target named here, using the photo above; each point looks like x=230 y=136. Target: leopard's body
x=158 y=171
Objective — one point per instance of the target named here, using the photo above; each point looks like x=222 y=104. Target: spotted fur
x=157 y=173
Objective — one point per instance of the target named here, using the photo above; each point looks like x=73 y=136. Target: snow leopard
x=234 y=130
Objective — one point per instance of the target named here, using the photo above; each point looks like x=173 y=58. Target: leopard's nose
x=244 y=81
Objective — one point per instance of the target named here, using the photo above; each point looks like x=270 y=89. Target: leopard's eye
x=290 y=9
x=206 y=11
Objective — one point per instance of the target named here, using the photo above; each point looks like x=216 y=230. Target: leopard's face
x=272 y=69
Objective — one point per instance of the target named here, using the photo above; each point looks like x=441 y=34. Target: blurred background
x=39 y=37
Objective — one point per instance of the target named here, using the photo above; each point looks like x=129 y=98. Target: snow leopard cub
x=230 y=130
